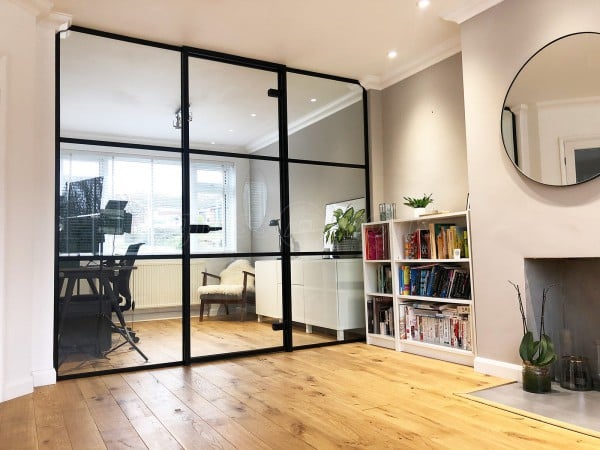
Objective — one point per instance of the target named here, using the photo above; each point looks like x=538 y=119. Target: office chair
x=120 y=281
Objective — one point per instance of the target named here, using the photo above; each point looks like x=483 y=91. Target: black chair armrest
x=205 y=276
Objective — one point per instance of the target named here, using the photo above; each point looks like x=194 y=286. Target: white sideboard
x=325 y=292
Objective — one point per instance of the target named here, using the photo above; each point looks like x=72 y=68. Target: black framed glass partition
x=192 y=189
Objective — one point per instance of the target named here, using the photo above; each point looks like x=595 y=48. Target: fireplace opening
x=572 y=316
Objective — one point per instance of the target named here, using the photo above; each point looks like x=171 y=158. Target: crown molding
x=308 y=119
x=56 y=22
x=36 y=7
x=469 y=11
x=439 y=53
x=371 y=82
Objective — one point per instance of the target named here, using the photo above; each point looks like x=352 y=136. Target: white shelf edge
x=458 y=301
x=381 y=340
x=431 y=217
x=437 y=351
x=380 y=294
x=432 y=261
x=377 y=261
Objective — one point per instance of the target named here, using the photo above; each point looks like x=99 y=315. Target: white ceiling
x=349 y=38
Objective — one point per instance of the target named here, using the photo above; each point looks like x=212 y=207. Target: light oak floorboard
x=346 y=396
x=161 y=341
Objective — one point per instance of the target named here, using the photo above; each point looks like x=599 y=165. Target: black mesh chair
x=120 y=281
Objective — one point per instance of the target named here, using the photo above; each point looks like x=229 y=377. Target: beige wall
x=511 y=216
x=424 y=149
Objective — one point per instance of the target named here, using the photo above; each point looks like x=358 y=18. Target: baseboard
x=44 y=377
x=497 y=368
x=17 y=389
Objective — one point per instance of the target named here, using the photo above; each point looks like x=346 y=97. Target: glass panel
x=224 y=315
x=230 y=108
x=114 y=197
x=311 y=190
x=92 y=323
x=239 y=199
x=325 y=120
x=118 y=91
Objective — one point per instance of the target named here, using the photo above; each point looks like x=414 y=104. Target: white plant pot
x=418 y=211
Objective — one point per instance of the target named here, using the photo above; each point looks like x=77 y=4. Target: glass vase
x=537 y=379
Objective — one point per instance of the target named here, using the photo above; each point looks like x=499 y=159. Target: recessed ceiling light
x=230 y=130
x=392 y=54
x=213 y=143
x=313 y=100
x=423 y=3
x=253 y=115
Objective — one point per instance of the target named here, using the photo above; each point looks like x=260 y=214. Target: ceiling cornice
x=36 y=7
x=441 y=52
x=56 y=21
x=465 y=13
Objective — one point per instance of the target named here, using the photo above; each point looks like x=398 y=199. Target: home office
x=205 y=210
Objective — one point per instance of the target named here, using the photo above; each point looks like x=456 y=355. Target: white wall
x=27 y=209
x=513 y=217
x=424 y=149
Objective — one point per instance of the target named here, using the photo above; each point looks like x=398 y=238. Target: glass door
x=119 y=206
x=234 y=207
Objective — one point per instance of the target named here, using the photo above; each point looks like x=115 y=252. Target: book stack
x=447 y=325
x=435 y=280
x=438 y=241
x=380 y=316
x=384 y=279
x=376 y=243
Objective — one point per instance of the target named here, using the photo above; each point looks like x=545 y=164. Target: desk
x=95 y=274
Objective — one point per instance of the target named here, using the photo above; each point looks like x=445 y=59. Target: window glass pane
x=147 y=185
x=240 y=198
x=230 y=108
x=312 y=188
x=325 y=120
x=118 y=91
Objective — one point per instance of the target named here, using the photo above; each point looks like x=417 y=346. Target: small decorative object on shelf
x=387 y=211
x=418 y=203
x=537 y=355
x=341 y=232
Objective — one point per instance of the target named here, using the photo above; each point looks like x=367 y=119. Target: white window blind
x=151 y=185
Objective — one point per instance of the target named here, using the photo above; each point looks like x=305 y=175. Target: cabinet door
x=320 y=297
x=268 y=302
x=350 y=298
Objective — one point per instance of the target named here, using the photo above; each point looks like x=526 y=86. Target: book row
x=448 y=327
x=376 y=243
x=435 y=280
x=384 y=279
x=438 y=241
x=380 y=314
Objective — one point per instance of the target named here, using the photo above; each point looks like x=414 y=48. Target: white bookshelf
x=448 y=336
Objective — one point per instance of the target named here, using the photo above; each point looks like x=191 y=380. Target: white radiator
x=157 y=283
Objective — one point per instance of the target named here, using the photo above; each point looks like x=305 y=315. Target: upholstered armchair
x=235 y=286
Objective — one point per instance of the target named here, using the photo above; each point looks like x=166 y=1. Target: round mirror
x=551 y=113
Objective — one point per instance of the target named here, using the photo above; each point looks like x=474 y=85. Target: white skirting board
x=44 y=377
x=497 y=368
x=17 y=389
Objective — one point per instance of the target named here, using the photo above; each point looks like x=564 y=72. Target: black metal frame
x=186 y=256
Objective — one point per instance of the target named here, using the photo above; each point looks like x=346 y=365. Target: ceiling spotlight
x=313 y=100
x=253 y=115
x=423 y=3
x=392 y=54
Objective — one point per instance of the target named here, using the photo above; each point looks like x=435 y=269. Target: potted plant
x=537 y=355
x=341 y=232
x=418 y=204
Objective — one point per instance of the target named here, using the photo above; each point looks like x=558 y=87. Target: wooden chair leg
x=201 y=311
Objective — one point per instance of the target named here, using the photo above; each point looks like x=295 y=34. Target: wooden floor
x=346 y=396
x=161 y=342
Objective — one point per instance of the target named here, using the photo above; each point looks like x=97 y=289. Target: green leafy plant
x=421 y=202
x=532 y=352
x=345 y=224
